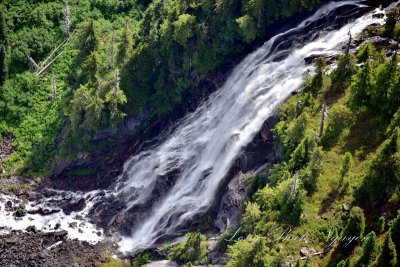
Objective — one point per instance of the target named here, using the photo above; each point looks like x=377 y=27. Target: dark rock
x=31 y=229
x=311 y=58
x=9 y=204
x=20 y=212
x=73 y=225
x=43 y=211
x=61 y=234
x=378 y=15
x=383 y=42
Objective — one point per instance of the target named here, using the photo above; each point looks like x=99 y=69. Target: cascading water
x=179 y=178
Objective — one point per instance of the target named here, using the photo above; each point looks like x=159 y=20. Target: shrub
x=193 y=250
x=340 y=117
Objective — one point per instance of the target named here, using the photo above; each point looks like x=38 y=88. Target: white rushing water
x=204 y=145
x=207 y=141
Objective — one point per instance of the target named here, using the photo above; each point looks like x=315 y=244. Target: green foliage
x=2 y=25
x=392 y=17
x=229 y=237
x=367 y=52
x=311 y=174
x=340 y=118
x=345 y=263
x=184 y=28
x=193 y=250
x=251 y=216
x=3 y=64
x=301 y=155
x=252 y=251
x=125 y=47
x=284 y=203
x=355 y=227
x=369 y=250
x=248 y=27
x=384 y=170
x=345 y=168
x=142 y=259
x=362 y=85
x=388 y=255
x=163 y=52
x=291 y=134
x=395 y=233
x=341 y=76
x=317 y=81
x=88 y=38
x=380 y=226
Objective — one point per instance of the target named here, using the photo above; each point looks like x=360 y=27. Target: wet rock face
x=46 y=249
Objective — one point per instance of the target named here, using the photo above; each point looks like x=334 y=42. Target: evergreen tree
x=395 y=234
x=380 y=226
x=366 y=52
x=345 y=263
x=369 y=250
x=184 y=28
x=115 y=98
x=2 y=25
x=361 y=86
x=313 y=171
x=384 y=171
x=317 y=81
x=341 y=76
x=3 y=47
x=3 y=64
x=192 y=251
x=392 y=17
x=345 y=168
x=90 y=69
x=388 y=255
x=251 y=251
x=250 y=217
x=354 y=228
x=386 y=78
x=247 y=27
x=88 y=38
x=125 y=47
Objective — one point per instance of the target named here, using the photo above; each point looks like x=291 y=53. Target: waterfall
x=166 y=186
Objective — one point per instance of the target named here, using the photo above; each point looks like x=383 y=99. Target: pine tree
x=313 y=171
x=115 y=98
x=2 y=25
x=369 y=250
x=395 y=234
x=90 y=68
x=341 y=76
x=3 y=64
x=384 y=171
x=367 y=52
x=251 y=215
x=125 y=46
x=3 y=47
x=386 y=79
x=345 y=168
x=392 y=17
x=318 y=79
x=88 y=39
x=354 y=228
x=388 y=255
x=361 y=86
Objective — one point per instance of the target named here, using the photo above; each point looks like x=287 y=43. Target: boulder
x=31 y=229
